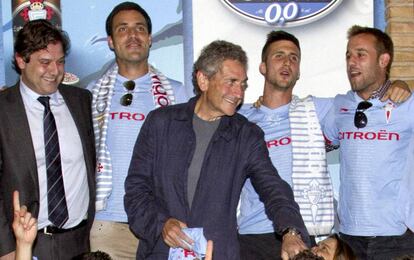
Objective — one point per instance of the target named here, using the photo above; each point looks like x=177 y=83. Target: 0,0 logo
x=275 y=13
x=282 y=13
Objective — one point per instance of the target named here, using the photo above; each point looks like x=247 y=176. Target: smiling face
x=326 y=248
x=366 y=69
x=281 y=66
x=223 y=92
x=130 y=38
x=44 y=72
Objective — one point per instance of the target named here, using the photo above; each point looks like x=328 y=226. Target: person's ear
x=110 y=42
x=20 y=62
x=262 y=68
x=202 y=81
x=384 y=60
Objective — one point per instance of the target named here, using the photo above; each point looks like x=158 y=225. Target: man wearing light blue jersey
x=376 y=203
x=281 y=67
x=122 y=99
x=296 y=146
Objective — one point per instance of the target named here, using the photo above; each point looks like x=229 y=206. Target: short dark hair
x=343 y=250
x=98 y=255
x=212 y=57
x=383 y=44
x=307 y=255
x=275 y=36
x=126 y=6
x=35 y=36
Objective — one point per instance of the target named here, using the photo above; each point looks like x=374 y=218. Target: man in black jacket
x=191 y=161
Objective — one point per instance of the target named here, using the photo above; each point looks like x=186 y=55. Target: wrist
x=23 y=244
x=291 y=232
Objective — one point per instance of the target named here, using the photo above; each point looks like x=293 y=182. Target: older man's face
x=224 y=92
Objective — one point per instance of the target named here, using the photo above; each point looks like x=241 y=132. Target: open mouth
x=233 y=101
x=354 y=73
x=285 y=73
x=51 y=80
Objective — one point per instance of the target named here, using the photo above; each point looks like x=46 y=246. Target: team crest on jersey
x=282 y=13
x=388 y=110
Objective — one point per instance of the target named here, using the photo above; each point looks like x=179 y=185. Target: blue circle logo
x=287 y=13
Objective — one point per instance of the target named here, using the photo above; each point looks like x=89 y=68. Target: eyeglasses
x=360 y=119
x=126 y=99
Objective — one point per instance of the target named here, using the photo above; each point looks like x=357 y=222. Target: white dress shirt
x=71 y=153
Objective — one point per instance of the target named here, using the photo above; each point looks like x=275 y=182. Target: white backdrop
x=322 y=42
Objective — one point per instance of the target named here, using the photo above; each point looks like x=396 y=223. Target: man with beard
x=122 y=99
x=376 y=203
x=296 y=146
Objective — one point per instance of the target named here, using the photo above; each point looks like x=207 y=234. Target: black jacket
x=156 y=185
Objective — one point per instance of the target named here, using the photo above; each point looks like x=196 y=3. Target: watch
x=291 y=231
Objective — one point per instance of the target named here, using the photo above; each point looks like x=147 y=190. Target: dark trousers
x=62 y=246
x=381 y=247
x=262 y=246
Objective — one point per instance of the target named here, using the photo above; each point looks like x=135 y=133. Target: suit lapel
x=74 y=105
x=19 y=128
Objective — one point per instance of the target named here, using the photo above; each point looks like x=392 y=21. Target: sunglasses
x=126 y=99
x=360 y=119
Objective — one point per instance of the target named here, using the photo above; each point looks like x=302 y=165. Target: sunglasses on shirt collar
x=126 y=99
x=360 y=118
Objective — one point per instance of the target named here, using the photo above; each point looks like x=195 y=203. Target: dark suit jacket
x=18 y=169
x=156 y=185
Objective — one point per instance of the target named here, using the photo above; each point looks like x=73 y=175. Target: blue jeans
x=381 y=247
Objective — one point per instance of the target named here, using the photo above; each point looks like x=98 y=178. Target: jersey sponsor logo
x=381 y=135
x=160 y=94
x=278 y=142
x=388 y=110
x=281 y=13
x=126 y=116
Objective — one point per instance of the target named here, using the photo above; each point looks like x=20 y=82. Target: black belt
x=50 y=230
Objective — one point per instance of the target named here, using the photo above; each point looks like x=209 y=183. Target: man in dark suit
x=46 y=148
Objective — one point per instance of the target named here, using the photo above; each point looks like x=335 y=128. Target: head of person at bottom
x=97 y=255
x=334 y=248
x=39 y=56
x=220 y=79
x=307 y=255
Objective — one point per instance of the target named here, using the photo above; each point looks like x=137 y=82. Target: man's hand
x=24 y=225
x=173 y=235
x=291 y=246
x=259 y=102
x=398 y=92
x=209 y=250
x=9 y=256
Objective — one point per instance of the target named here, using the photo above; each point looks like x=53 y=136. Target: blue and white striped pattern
x=312 y=185
x=102 y=94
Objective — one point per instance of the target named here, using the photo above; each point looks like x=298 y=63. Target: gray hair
x=212 y=57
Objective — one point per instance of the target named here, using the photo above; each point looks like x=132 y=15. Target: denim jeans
x=381 y=247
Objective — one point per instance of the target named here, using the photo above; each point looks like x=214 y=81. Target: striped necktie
x=57 y=208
